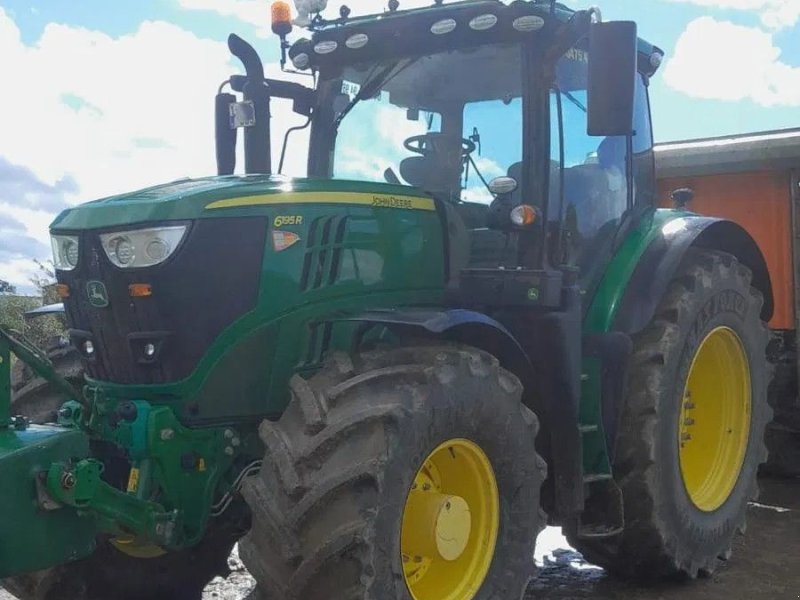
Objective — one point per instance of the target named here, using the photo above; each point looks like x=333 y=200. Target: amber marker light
x=62 y=290
x=523 y=215
x=140 y=290
x=281 y=18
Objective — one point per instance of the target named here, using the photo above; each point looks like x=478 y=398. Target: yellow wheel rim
x=450 y=523
x=136 y=549
x=714 y=425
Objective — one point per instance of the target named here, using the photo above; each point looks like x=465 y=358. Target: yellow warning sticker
x=282 y=239
x=133 y=480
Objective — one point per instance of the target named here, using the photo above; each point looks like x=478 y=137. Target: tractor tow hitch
x=80 y=485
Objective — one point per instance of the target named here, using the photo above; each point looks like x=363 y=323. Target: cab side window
x=589 y=175
x=643 y=159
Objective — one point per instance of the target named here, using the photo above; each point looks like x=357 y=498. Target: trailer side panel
x=759 y=202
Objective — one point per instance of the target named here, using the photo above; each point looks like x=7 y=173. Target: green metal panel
x=30 y=537
x=599 y=318
x=189 y=199
x=608 y=297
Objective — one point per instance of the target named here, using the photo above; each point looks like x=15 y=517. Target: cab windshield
x=446 y=123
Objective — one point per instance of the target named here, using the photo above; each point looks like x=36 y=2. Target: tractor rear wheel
x=784 y=451
x=408 y=473
x=783 y=433
x=108 y=572
x=692 y=432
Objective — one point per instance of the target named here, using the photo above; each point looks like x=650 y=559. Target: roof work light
x=281 y=18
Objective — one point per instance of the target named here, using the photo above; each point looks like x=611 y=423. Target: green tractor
x=347 y=373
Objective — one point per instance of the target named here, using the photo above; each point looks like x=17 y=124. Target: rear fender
x=660 y=261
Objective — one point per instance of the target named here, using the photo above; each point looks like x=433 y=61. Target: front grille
x=211 y=280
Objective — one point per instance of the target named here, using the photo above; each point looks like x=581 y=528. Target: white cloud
x=18 y=272
x=745 y=64
x=361 y=153
x=488 y=167
x=112 y=113
x=257 y=13
x=105 y=114
x=95 y=115
x=250 y=11
x=775 y=14
x=365 y=7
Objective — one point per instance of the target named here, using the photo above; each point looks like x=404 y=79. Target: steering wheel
x=426 y=144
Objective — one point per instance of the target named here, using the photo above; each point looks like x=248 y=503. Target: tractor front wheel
x=400 y=474
x=692 y=432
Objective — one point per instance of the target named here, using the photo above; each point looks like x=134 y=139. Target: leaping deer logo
x=97 y=294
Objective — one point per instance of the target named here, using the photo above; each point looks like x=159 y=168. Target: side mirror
x=612 y=77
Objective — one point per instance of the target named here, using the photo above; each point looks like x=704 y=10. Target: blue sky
x=105 y=96
x=677 y=115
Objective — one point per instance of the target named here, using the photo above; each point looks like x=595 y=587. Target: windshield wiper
x=371 y=86
x=574 y=100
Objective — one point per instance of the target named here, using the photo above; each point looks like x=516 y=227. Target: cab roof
x=440 y=27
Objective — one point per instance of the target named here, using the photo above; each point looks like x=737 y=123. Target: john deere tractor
x=347 y=372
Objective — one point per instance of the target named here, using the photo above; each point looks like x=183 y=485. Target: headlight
x=65 y=251
x=142 y=247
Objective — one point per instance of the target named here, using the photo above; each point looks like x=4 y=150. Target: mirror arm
x=303 y=97
x=568 y=34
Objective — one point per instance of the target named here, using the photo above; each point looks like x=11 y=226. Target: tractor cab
x=486 y=108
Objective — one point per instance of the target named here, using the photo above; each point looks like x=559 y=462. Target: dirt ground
x=765 y=564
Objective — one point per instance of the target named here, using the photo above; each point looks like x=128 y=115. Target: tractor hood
x=253 y=251
x=209 y=197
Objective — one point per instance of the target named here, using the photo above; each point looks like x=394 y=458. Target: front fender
x=461 y=325
x=639 y=274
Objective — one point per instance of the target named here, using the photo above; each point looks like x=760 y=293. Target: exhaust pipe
x=257 y=150
x=224 y=134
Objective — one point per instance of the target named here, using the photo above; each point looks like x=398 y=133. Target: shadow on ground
x=765 y=564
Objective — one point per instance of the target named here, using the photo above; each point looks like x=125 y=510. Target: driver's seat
x=439 y=169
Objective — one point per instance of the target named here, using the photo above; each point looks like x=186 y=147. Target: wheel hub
x=132 y=547
x=443 y=524
x=450 y=523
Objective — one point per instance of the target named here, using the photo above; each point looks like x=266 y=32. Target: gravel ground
x=765 y=565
